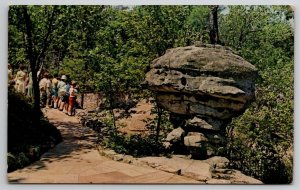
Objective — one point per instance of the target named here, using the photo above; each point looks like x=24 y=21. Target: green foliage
x=163 y=27
x=136 y=145
x=165 y=124
x=264 y=132
x=198 y=23
x=42 y=17
x=79 y=39
x=148 y=144
x=263 y=135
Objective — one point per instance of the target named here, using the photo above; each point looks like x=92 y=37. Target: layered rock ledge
x=210 y=171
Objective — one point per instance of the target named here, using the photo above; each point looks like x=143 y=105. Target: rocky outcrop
x=209 y=171
x=203 y=87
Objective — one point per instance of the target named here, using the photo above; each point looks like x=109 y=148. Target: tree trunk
x=213 y=25
x=36 y=96
x=35 y=58
x=82 y=99
x=110 y=99
x=112 y=112
x=159 y=112
x=33 y=67
x=113 y=118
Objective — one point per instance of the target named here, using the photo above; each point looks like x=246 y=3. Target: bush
x=261 y=142
x=136 y=145
x=147 y=144
x=25 y=142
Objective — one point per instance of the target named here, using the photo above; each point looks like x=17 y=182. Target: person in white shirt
x=20 y=80
x=61 y=86
x=44 y=89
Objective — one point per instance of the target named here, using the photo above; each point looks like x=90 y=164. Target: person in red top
x=72 y=98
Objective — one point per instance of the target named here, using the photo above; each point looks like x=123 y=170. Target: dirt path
x=76 y=160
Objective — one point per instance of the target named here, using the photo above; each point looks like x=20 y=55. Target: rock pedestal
x=203 y=87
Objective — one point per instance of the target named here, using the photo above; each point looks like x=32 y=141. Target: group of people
x=58 y=93
x=22 y=81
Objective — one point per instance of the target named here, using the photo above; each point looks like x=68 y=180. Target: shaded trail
x=76 y=160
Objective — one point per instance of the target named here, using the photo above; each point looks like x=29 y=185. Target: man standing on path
x=45 y=86
x=61 y=86
x=54 y=91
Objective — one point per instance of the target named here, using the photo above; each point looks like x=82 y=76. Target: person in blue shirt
x=66 y=97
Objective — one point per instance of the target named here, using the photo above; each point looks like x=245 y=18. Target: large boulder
x=205 y=86
x=210 y=81
x=175 y=135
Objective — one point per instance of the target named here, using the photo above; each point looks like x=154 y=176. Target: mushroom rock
x=204 y=87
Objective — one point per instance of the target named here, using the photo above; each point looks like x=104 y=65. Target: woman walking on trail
x=10 y=73
x=61 y=86
x=20 y=80
x=49 y=91
x=72 y=98
x=66 y=97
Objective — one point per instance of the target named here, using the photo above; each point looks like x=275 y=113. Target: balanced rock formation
x=204 y=87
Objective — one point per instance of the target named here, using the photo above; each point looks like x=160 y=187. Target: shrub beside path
x=77 y=160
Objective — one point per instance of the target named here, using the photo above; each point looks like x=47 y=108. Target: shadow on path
x=77 y=141
x=76 y=160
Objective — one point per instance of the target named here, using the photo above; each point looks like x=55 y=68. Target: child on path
x=72 y=98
